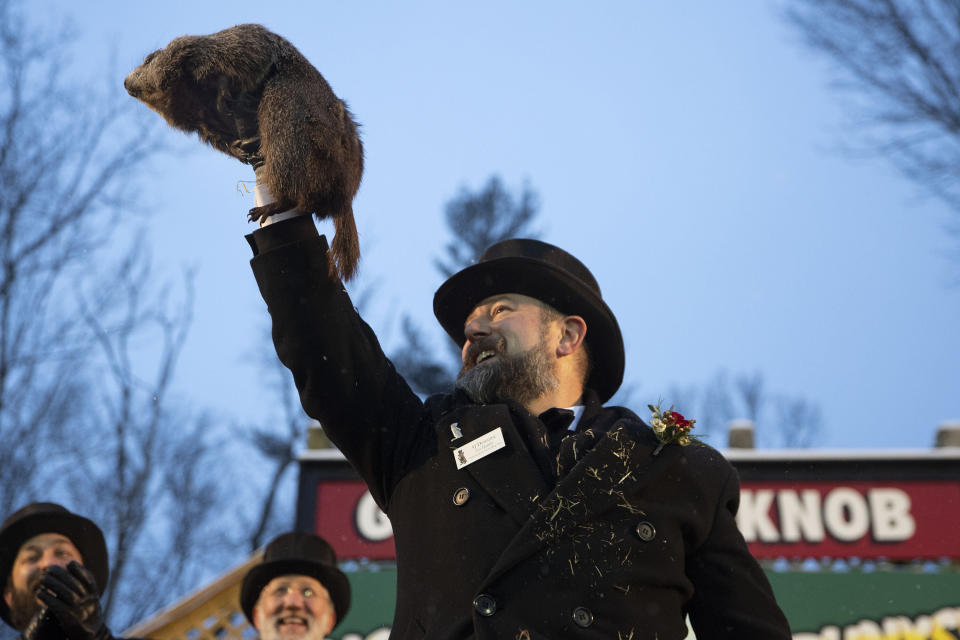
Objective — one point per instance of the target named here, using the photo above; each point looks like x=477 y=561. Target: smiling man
x=297 y=592
x=508 y=354
x=54 y=566
x=521 y=505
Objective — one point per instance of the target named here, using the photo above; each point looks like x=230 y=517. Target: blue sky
x=686 y=153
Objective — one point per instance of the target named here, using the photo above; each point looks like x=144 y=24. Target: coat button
x=645 y=531
x=460 y=496
x=582 y=617
x=485 y=605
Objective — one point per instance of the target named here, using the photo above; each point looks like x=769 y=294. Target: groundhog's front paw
x=259 y=213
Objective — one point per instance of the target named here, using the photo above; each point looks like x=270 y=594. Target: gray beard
x=270 y=632
x=519 y=378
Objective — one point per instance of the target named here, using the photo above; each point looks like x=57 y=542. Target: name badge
x=479 y=448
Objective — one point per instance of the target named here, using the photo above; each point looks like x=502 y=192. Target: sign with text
x=897 y=521
x=897 y=604
x=792 y=505
x=864 y=507
x=351 y=521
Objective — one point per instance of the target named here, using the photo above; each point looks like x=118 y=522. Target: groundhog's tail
x=345 y=246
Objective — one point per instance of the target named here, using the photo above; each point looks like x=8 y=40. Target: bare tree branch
x=479 y=219
x=780 y=420
x=88 y=354
x=799 y=421
x=279 y=449
x=897 y=62
x=476 y=220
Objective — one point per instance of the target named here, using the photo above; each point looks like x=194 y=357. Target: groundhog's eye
x=149 y=57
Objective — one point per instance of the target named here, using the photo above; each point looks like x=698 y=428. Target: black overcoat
x=623 y=546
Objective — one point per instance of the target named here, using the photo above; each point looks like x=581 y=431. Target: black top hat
x=47 y=517
x=551 y=275
x=297 y=553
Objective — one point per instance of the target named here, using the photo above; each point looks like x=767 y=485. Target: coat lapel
x=509 y=475
x=619 y=466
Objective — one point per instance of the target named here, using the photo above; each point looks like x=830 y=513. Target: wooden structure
x=210 y=613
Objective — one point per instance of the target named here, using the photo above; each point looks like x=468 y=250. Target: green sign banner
x=373 y=589
x=883 y=604
x=887 y=604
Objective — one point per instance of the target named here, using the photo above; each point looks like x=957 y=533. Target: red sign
x=900 y=520
x=348 y=518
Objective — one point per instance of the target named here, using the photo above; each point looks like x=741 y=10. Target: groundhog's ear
x=197 y=68
x=194 y=58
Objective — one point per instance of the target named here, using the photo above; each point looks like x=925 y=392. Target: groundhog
x=249 y=93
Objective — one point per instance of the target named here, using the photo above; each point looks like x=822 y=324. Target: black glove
x=71 y=596
x=238 y=113
x=42 y=626
x=248 y=151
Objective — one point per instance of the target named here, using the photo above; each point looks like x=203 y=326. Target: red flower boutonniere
x=671 y=427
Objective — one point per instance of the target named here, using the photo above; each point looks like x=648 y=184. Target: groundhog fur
x=249 y=93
